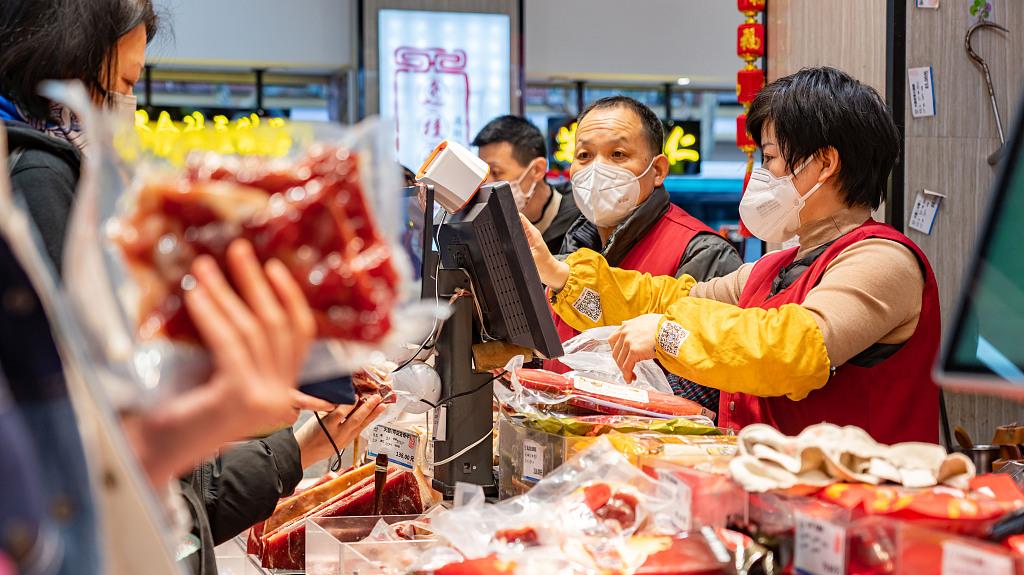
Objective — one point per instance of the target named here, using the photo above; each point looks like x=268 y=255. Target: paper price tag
x=922 y=92
x=610 y=389
x=533 y=461
x=962 y=559
x=682 y=516
x=399 y=445
x=926 y=209
x=820 y=547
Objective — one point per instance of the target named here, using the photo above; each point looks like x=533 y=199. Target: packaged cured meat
x=322 y=199
x=590 y=395
x=404 y=493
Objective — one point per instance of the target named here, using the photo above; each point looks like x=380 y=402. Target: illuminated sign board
x=443 y=75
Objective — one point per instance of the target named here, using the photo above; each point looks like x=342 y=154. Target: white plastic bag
x=589 y=354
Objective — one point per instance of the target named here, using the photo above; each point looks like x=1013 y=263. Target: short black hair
x=64 y=40
x=819 y=108
x=526 y=140
x=651 y=123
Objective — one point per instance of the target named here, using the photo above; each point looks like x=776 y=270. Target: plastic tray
x=333 y=547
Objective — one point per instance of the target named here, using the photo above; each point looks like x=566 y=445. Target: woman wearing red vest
x=843 y=328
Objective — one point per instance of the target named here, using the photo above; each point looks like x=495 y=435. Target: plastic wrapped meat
x=311 y=215
x=404 y=494
x=608 y=398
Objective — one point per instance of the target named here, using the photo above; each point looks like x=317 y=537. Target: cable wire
x=332 y=464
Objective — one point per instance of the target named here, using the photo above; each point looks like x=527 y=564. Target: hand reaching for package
x=344 y=424
x=634 y=342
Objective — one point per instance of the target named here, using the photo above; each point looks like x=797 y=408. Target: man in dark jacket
x=618 y=174
x=515 y=151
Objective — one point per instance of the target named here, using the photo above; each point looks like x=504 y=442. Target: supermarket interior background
x=237 y=340
x=321 y=60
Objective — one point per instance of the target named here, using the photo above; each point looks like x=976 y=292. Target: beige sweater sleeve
x=871 y=293
x=726 y=289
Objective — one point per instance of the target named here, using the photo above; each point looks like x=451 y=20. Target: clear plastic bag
x=589 y=354
x=119 y=300
x=597 y=495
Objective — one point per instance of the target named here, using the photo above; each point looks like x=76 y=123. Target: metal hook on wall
x=993 y=159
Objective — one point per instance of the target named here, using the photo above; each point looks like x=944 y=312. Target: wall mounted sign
x=443 y=75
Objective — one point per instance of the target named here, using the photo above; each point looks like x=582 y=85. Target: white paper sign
x=625 y=392
x=922 y=94
x=962 y=559
x=926 y=209
x=933 y=4
x=682 y=515
x=820 y=547
x=533 y=461
x=398 y=444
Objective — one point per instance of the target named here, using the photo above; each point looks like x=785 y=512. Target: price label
x=614 y=390
x=962 y=559
x=533 y=461
x=926 y=208
x=399 y=445
x=682 y=517
x=820 y=547
x=922 y=92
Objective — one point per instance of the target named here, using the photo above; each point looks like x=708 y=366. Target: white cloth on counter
x=824 y=454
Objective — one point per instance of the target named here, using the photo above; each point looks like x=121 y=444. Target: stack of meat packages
x=280 y=541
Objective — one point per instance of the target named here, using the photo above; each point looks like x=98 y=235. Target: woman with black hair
x=102 y=44
x=843 y=327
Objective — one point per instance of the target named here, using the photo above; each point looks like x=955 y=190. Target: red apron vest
x=895 y=400
x=659 y=253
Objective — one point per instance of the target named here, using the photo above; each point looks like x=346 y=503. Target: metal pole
x=668 y=102
x=259 y=92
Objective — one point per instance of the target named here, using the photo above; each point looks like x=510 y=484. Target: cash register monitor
x=984 y=349
x=487 y=240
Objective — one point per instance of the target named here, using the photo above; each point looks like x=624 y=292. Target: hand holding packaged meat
x=310 y=214
x=322 y=206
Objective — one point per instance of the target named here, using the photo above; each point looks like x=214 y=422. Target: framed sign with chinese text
x=443 y=75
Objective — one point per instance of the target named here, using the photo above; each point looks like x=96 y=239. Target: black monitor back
x=487 y=240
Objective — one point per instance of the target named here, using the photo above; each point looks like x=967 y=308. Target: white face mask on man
x=606 y=194
x=123 y=106
x=771 y=206
x=522 y=199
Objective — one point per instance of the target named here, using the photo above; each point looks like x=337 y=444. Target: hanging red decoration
x=743 y=139
x=750 y=46
x=748 y=83
x=750 y=41
x=750 y=7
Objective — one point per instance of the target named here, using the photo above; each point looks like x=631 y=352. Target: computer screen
x=985 y=345
x=487 y=240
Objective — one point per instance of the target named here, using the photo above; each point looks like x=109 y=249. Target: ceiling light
x=683 y=81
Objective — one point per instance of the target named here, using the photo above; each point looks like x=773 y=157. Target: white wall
x=315 y=35
x=633 y=40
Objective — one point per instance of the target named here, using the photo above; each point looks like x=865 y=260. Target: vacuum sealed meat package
x=322 y=199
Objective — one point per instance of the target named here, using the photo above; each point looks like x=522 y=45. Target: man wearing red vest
x=843 y=328
x=618 y=174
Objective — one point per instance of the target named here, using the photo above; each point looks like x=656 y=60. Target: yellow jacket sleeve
x=764 y=352
x=597 y=294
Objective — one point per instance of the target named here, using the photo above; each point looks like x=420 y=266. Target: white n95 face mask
x=606 y=194
x=124 y=106
x=517 y=191
x=771 y=206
